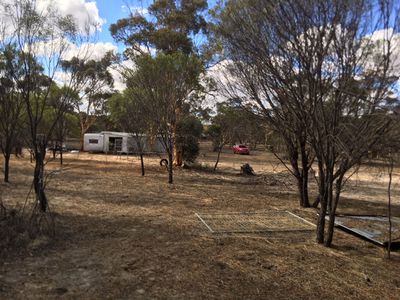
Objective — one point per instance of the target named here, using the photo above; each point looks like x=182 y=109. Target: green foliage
x=71 y=122
x=114 y=113
x=161 y=85
x=214 y=132
x=127 y=112
x=92 y=80
x=171 y=29
x=58 y=116
x=166 y=80
x=189 y=131
x=235 y=123
x=90 y=77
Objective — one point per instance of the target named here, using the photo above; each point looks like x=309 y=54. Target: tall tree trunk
x=140 y=147
x=170 y=162
x=304 y=174
x=7 y=166
x=61 y=149
x=297 y=172
x=390 y=171
x=177 y=151
x=219 y=154
x=54 y=150
x=7 y=150
x=178 y=155
x=321 y=221
x=38 y=178
x=302 y=185
x=81 y=140
x=306 y=201
x=324 y=203
x=331 y=226
x=332 y=212
x=142 y=162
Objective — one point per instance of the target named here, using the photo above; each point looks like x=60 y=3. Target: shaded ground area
x=121 y=236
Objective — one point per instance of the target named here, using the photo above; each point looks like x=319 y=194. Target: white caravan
x=119 y=142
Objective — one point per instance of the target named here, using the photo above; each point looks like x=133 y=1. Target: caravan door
x=115 y=144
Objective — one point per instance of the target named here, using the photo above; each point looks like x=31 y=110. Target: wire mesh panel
x=271 y=221
x=372 y=228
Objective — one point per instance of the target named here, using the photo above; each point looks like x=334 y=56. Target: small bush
x=189 y=133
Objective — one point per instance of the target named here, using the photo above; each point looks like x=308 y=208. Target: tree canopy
x=169 y=28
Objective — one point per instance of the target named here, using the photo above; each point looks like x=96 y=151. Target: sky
x=113 y=10
x=105 y=13
x=110 y=11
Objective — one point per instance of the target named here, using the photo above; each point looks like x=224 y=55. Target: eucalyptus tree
x=92 y=81
x=170 y=28
x=160 y=84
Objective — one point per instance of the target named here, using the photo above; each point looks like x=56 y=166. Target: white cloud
x=94 y=51
x=62 y=78
x=119 y=82
x=84 y=13
x=117 y=71
x=379 y=39
x=224 y=81
x=135 y=10
x=66 y=50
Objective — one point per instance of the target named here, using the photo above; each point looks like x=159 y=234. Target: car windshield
x=242 y=146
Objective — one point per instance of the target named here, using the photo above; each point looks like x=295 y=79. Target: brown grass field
x=122 y=236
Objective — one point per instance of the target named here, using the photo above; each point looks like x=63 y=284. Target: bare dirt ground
x=123 y=236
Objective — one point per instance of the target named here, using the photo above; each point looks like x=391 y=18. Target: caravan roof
x=115 y=133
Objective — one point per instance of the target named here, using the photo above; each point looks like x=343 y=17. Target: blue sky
x=109 y=12
x=113 y=10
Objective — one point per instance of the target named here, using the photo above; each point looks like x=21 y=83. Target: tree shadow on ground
x=166 y=257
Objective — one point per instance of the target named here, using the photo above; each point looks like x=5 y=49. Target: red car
x=241 y=149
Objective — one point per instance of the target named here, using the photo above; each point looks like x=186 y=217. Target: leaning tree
x=40 y=37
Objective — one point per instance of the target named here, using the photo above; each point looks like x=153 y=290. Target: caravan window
x=93 y=141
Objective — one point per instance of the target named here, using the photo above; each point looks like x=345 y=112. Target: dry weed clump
x=21 y=231
x=14 y=232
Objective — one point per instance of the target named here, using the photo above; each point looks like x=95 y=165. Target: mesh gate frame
x=240 y=226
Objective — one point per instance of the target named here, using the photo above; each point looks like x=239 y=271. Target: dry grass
x=120 y=235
